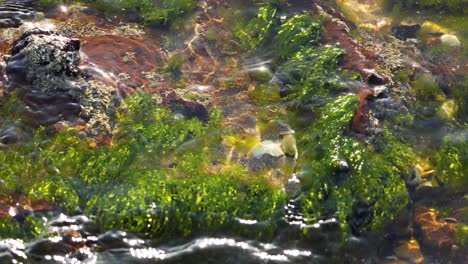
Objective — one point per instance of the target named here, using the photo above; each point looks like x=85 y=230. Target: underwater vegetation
x=456 y=6
x=151 y=12
x=360 y=184
x=165 y=176
x=452 y=167
x=346 y=176
x=127 y=184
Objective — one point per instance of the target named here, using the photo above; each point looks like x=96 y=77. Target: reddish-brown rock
x=435 y=234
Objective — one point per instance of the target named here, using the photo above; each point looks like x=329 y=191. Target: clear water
x=128 y=56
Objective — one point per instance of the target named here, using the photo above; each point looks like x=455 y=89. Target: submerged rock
x=293 y=187
x=44 y=61
x=450 y=40
x=435 y=234
x=405 y=32
x=409 y=250
x=44 y=70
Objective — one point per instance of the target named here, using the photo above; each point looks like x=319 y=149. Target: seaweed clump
x=452 y=167
x=360 y=184
x=153 y=177
x=344 y=177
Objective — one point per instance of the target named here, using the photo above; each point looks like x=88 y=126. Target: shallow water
x=407 y=87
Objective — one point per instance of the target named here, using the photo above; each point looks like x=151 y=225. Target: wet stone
x=435 y=234
x=45 y=247
x=409 y=250
x=44 y=68
x=404 y=32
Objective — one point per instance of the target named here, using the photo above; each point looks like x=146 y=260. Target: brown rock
x=409 y=250
x=434 y=233
x=403 y=225
x=118 y=54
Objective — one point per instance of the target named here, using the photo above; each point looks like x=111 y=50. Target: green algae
x=313 y=78
x=452 y=168
x=297 y=33
x=152 y=12
x=159 y=207
x=153 y=179
x=9 y=228
x=313 y=72
x=460 y=96
x=425 y=87
x=252 y=34
x=309 y=69
x=462 y=235
x=374 y=180
x=456 y=6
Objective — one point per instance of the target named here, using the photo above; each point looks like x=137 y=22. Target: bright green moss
x=452 y=165
x=374 y=180
x=57 y=191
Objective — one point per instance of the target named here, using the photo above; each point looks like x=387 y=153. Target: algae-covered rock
x=43 y=69
x=42 y=58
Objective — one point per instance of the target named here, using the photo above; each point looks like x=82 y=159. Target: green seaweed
x=160 y=207
x=251 y=35
x=152 y=179
x=425 y=87
x=455 y=6
x=460 y=95
x=462 y=235
x=9 y=228
x=374 y=181
x=314 y=72
x=152 y=12
x=298 y=33
x=452 y=168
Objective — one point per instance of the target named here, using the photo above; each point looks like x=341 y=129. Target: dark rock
x=187 y=108
x=45 y=247
x=44 y=69
x=386 y=108
x=113 y=240
x=360 y=217
x=402 y=227
x=434 y=234
x=6 y=257
x=40 y=59
x=405 y=32
x=373 y=78
x=72 y=45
